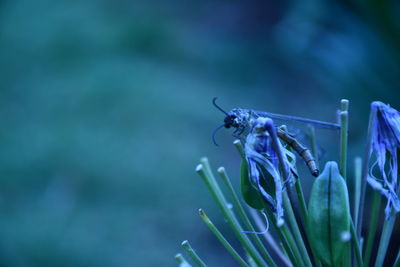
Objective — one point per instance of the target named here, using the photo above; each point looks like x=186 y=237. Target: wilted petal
x=385 y=143
x=255 y=176
x=263 y=167
x=256 y=163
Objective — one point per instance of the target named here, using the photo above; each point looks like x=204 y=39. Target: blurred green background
x=105 y=109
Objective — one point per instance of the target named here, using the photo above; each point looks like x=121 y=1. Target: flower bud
x=249 y=193
x=329 y=215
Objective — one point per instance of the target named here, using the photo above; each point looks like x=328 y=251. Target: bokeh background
x=105 y=110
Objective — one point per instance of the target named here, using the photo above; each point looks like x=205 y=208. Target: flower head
x=263 y=165
x=385 y=145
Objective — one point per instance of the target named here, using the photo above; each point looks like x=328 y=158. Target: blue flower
x=385 y=145
x=263 y=166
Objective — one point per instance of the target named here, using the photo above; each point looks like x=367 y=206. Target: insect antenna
x=218 y=107
x=215 y=132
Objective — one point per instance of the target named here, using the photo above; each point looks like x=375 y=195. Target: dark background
x=105 y=109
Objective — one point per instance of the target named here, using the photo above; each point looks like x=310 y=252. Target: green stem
x=206 y=164
x=278 y=249
x=344 y=128
x=242 y=214
x=385 y=239
x=292 y=244
x=301 y=200
x=344 y=105
x=397 y=262
x=208 y=177
x=357 y=186
x=239 y=148
x=356 y=245
x=287 y=240
x=296 y=230
x=314 y=149
x=304 y=213
x=373 y=223
x=284 y=250
x=182 y=261
x=367 y=155
x=222 y=239
x=186 y=246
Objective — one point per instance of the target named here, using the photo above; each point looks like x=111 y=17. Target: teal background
x=105 y=110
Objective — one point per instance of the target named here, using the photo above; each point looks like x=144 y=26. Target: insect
x=302 y=150
x=242 y=120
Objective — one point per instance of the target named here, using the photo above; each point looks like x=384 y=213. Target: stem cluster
x=294 y=247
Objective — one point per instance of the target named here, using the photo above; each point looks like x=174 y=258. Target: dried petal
x=263 y=167
x=385 y=144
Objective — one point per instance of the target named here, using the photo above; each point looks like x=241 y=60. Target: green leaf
x=250 y=194
x=329 y=215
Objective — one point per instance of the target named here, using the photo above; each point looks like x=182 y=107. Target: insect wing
x=298 y=120
x=303 y=137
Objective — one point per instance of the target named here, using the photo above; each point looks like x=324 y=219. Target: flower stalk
x=357 y=187
x=384 y=241
x=204 y=171
x=181 y=260
x=373 y=223
x=236 y=203
x=356 y=245
x=279 y=250
x=365 y=172
x=344 y=126
x=344 y=129
x=188 y=248
x=222 y=239
x=313 y=142
x=397 y=262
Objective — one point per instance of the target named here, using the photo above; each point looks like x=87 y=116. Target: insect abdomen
x=311 y=164
x=303 y=152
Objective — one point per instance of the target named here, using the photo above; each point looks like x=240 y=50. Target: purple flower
x=263 y=166
x=385 y=145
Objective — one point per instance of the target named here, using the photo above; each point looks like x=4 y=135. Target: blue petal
x=385 y=143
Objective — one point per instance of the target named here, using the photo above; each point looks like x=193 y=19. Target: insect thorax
x=242 y=122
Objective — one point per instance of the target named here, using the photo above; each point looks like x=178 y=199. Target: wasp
x=242 y=121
